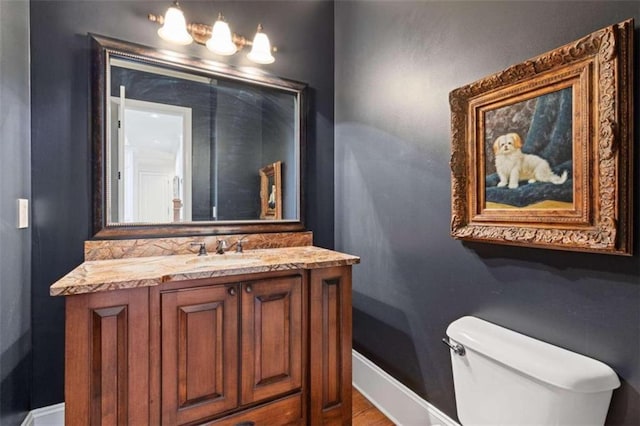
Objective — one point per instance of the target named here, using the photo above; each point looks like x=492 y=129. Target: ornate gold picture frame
x=542 y=151
x=271 y=191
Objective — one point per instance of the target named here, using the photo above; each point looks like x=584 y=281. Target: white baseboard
x=52 y=415
x=400 y=404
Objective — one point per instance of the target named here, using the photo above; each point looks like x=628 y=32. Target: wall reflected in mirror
x=188 y=147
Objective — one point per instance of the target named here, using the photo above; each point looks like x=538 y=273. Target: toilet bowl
x=505 y=378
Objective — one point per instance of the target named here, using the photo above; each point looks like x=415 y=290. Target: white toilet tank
x=506 y=378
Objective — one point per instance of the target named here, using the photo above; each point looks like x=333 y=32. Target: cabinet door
x=330 y=346
x=199 y=353
x=107 y=358
x=271 y=338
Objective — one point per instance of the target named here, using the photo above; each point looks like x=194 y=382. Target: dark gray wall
x=278 y=144
x=61 y=175
x=254 y=128
x=238 y=138
x=396 y=62
x=15 y=244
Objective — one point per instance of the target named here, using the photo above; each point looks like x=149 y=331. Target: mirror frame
x=102 y=48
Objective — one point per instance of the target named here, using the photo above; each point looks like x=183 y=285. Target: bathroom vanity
x=260 y=337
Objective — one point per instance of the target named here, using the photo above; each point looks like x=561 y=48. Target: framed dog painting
x=541 y=152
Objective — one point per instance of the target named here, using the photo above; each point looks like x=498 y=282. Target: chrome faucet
x=203 y=248
x=221 y=246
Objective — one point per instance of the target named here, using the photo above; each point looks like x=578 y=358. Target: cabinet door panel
x=330 y=346
x=109 y=363
x=271 y=338
x=107 y=358
x=199 y=353
x=199 y=364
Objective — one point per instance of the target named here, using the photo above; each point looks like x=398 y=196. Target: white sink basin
x=222 y=260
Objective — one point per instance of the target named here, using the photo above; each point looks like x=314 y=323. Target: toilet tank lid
x=542 y=361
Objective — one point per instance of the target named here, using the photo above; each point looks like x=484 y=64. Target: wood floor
x=363 y=413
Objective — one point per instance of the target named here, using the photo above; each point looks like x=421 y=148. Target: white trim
x=400 y=404
x=52 y=415
x=28 y=421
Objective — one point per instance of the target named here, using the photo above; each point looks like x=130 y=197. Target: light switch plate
x=23 y=213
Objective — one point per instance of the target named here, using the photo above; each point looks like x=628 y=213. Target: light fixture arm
x=202 y=32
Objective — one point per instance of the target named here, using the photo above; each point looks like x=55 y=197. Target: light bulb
x=221 y=41
x=261 y=49
x=175 y=26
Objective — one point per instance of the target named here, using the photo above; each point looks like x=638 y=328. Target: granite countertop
x=116 y=274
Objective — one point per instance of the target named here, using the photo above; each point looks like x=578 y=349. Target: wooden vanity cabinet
x=258 y=349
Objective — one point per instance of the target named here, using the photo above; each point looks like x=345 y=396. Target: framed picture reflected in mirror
x=271 y=191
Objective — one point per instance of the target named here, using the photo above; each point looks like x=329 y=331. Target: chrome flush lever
x=457 y=348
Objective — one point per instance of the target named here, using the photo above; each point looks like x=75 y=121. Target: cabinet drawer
x=285 y=411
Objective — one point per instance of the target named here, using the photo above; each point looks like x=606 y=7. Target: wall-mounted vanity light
x=219 y=38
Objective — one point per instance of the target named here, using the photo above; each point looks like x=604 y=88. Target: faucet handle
x=239 y=244
x=203 y=248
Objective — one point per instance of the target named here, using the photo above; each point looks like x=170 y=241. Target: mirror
x=183 y=145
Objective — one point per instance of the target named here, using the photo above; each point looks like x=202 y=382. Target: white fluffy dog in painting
x=513 y=165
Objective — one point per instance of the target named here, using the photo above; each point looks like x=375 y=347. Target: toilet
x=505 y=378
